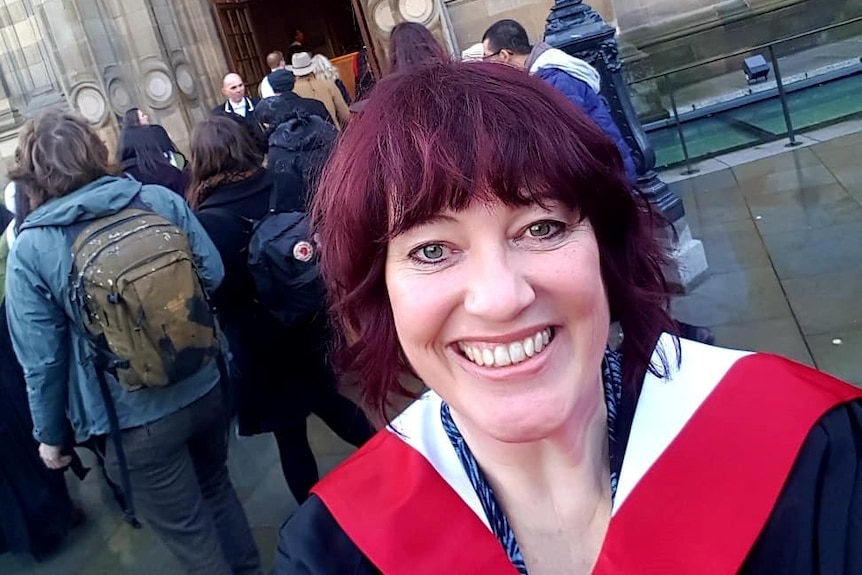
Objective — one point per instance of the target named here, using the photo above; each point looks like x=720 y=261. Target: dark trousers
x=342 y=416
x=181 y=488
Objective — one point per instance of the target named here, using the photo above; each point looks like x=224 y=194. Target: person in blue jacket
x=175 y=437
x=506 y=41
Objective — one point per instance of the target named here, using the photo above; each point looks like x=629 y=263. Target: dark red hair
x=412 y=45
x=444 y=136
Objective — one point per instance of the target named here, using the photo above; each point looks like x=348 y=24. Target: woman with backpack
x=283 y=372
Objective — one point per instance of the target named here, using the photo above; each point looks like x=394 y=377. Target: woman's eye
x=544 y=229
x=429 y=253
x=432 y=252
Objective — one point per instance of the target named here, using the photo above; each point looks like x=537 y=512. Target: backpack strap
x=116 y=437
x=273 y=196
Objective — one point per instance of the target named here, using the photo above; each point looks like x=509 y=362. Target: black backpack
x=282 y=260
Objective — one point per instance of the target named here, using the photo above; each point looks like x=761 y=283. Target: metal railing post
x=782 y=95
x=688 y=169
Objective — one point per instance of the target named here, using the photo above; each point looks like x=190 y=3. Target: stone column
x=29 y=80
x=577 y=29
x=383 y=15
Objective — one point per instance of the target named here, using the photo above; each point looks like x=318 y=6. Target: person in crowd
x=412 y=45
x=237 y=103
x=135 y=118
x=300 y=131
x=284 y=372
x=275 y=61
x=493 y=278
x=298 y=44
x=310 y=85
x=141 y=155
x=506 y=41
x=170 y=441
x=37 y=510
x=241 y=108
x=325 y=69
x=272 y=111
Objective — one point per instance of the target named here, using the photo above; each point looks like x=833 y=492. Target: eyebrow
x=425 y=222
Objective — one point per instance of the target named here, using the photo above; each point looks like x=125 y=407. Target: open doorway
x=253 y=28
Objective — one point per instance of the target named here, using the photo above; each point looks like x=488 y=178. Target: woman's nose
x=498 y=289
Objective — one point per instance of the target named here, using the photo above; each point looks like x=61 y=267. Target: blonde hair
x=323 y=68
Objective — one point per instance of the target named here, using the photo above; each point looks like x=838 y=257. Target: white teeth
x=501 y=356
x=516 y=353
x=539 y=343
x=504 y=355
x=529 y=347
x=488 y=357
x=468 y=351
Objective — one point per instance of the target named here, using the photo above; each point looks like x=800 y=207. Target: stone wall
x=102 y=57
x=470 y=18
x=677 y=40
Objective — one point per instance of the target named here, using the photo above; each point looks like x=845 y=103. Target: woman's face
x=143 y=119
x=502 y=311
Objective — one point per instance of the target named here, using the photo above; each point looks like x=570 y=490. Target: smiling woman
x=479 y=232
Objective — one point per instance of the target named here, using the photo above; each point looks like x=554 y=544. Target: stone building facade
x=101 y=57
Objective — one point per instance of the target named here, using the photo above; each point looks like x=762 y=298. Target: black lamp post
x=578 y=30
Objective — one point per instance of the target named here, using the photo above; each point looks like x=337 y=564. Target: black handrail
x=747 y=50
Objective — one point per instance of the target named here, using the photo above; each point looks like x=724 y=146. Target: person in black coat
x=35 y=509
x=241 y=108
x=271 y=112
x=284 y=373
x=141 y=155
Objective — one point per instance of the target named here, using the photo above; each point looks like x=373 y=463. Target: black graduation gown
x=815 y=527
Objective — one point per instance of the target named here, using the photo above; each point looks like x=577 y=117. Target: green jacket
x=57 y=361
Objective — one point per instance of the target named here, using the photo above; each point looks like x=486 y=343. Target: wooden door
x=240 y=41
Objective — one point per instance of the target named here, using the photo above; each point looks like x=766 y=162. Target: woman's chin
x=519 y=425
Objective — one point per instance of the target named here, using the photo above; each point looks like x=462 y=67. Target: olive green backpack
x=143 y=304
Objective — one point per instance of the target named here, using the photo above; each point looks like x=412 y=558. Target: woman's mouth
x=502 y=355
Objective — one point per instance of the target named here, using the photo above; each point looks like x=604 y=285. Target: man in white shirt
x=237 y=103
x=240 y=107
x=275 y=61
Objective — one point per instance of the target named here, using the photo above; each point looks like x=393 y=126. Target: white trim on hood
x=554 y=58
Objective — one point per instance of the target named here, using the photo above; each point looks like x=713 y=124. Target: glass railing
x=807 y=86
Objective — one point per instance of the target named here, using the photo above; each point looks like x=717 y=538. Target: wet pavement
x=782 y=236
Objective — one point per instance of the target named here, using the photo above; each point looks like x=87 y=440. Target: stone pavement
x=782 y=235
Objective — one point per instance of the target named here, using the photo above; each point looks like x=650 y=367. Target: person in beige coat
x=309 y=85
